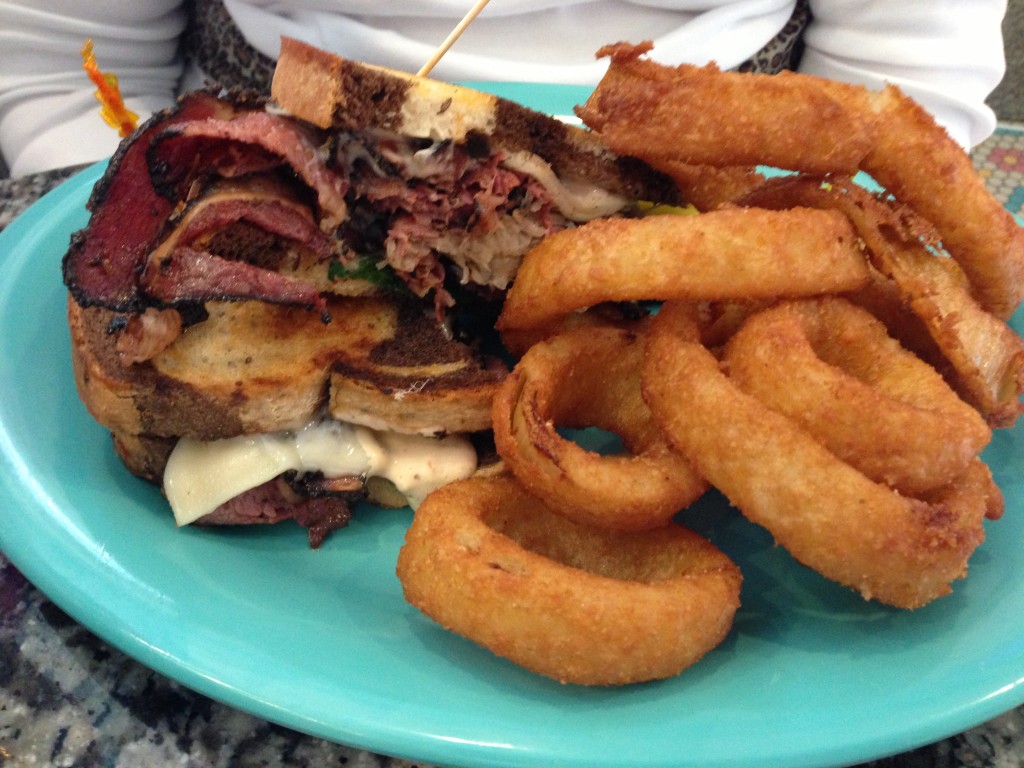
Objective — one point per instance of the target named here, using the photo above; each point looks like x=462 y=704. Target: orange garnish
x=114 y=112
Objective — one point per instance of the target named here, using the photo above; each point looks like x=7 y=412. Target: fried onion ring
x=978 y=353
x=816 y=126
x=703 y=115
x=901 y=551
x=590 y=377
x=917 y=162
x=832 y=368
x=740 y=253
x=488 y=561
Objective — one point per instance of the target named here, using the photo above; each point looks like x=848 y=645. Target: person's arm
x=49 y=117
x=946 y=54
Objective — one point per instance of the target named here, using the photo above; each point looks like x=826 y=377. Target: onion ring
x=979 y=353
x=917 y=162
x=816 y=126
x=901 y=551
x=488 y=561
x=702 y=115
x=736 y=253
x=832 y=368
x=590 y=377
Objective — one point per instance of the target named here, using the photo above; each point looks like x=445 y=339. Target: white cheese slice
x=200 y=476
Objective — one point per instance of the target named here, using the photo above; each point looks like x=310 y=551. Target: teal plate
x=322 y=641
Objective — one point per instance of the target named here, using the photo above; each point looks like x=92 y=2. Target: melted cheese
x=574 y=200
x=200 y=476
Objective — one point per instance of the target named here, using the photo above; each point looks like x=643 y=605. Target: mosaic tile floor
x=1000 y=160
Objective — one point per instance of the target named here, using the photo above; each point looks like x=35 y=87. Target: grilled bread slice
x=252 y=368
x=339 y=95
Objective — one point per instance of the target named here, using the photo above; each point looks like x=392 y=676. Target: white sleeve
x=49 y=117
x=946 y=54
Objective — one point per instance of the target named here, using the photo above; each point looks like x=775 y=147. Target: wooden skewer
x=452 y=37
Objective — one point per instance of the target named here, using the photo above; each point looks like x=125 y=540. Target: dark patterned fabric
x=218 y=47
x=782 y=51
x=220 y=50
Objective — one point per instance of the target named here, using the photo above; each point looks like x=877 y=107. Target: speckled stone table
x=68 y=699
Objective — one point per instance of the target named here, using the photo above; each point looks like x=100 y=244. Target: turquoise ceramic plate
x=322 y=641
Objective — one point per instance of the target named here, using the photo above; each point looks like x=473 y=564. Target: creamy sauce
x=200 y=476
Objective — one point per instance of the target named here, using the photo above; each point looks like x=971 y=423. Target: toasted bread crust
x=253 y=367
x=337 y=94
x=144 y=455
x=120 y=398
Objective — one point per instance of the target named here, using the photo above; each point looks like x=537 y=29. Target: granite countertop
x=69 y=699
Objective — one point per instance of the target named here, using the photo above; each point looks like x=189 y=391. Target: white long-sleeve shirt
x=947 y=54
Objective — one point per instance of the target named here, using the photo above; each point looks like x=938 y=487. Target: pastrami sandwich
x=279 y=306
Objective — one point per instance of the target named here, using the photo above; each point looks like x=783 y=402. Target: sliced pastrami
x=101 y=265
x=251 y=142
x=272 y=503
x=107 y=262
x=186 y=276
x=273 y=216
x=448 y=208
x=147 y=334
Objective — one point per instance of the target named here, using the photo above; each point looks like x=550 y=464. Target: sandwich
x=281 y=306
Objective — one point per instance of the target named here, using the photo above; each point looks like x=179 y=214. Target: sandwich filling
x=223 y=199
x=202 y=476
